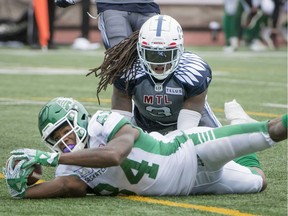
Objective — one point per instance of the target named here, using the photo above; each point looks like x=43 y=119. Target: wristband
x=188 y=119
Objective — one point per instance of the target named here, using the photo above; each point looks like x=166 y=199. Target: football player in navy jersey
x=164 y=86
x=159 y=86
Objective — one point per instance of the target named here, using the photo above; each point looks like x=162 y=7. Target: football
x=35 y=175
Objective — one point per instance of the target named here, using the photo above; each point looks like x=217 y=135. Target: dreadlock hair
x=117 y=61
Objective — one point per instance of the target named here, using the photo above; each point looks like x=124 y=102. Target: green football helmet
x=60 y=111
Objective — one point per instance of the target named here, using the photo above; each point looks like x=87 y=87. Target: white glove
x=33 y=156
x=16 y=177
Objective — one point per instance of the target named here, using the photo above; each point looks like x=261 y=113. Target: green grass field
x=29 y=78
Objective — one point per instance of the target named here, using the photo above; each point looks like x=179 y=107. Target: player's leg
x=138 y=19
x=235 y=114
x=217 y=146
x=233 y=178
x=252 y=162
x=114 y=27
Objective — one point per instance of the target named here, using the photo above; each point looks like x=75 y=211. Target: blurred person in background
x=28 y=22
x=255 y=19
x=83 y=42
x=249 y=20
x=274 y=27
x=284 y=22
x=119 y=19
x=232 y=24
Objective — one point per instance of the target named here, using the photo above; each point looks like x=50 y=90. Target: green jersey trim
x=226 y=131
x=152 y=145
x=119 y=125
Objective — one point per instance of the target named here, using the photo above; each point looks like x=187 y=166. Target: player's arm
x=121 y=100
x=63 y=186
x=110 y=155
x=195 y=103
x=190 y=114
x=16 y=179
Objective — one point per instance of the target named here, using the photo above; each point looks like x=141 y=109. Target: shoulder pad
x=192 y=69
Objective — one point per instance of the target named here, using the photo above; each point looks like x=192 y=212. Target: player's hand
x=16 y=177
x=64 y=3
x=33 y=156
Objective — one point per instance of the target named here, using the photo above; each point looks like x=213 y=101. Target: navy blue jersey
x=158 y=103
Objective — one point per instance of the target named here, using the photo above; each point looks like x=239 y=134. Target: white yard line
x=12 y=101
x=43 y=71
x=222 y=76
x=61 y=53
x=63 y=71
x=252 y=82
x=284 y=106
x=243 y=54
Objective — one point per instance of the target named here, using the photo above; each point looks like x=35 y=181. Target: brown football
x=35 y=175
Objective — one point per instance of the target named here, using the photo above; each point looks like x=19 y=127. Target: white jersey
x=180 y=163
x=159 y=167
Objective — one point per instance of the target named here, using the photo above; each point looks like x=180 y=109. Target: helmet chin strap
x=158 y=86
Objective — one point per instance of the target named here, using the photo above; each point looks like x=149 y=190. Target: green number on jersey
x=139 y=169
x=128 y=167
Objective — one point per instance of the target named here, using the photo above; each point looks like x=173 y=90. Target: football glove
x=64 y=3
x=33 y=156
x=16 y=177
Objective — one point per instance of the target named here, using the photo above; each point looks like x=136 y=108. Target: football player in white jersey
x=160 y=87
x=107 y=155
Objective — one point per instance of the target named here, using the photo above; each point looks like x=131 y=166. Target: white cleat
x=257 y=46
x=235 y=114
x=84 y=44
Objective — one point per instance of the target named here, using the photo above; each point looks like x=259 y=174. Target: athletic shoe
x=84 y=44
x=235 y=114
x=257 y=46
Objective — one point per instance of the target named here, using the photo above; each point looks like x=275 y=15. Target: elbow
x=117 y=158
